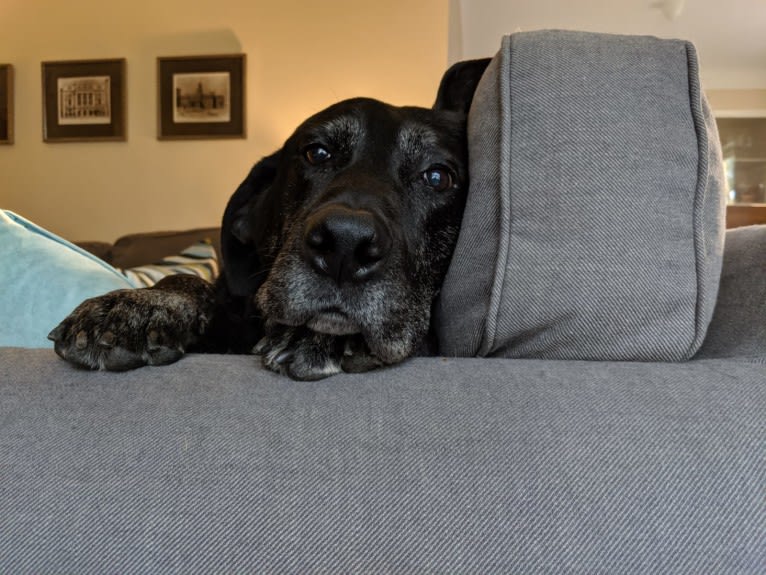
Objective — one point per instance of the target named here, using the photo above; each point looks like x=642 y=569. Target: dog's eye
x=438 y=178
x=316 y=154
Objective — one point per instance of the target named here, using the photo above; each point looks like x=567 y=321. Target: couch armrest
x=102 y=250
x=738 y=328
x=147 y=248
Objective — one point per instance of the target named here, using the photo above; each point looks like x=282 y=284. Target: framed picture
x=6 y=104
x=84 y=100
x=201 y=97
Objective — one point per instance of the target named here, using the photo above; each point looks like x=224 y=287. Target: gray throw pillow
x=595 y=216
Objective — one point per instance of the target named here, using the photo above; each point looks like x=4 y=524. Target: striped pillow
x=199 y=259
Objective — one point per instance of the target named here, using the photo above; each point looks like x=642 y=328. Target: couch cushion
x=594 y=224
x=738 y=328
x=42 y=278
x=199 y=259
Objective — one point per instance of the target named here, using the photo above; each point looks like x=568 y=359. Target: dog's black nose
x=346 y=244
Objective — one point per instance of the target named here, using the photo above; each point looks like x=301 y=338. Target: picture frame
x=201 y=97
x=84 y=100
x=6 y=104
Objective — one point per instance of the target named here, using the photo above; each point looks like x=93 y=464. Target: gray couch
x=618 y=430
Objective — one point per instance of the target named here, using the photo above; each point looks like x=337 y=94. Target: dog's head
x=349 y=228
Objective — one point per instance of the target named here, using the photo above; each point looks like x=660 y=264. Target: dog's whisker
x=258 y=274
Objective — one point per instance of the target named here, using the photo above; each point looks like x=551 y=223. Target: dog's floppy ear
x=458 y=85
x=241 y=262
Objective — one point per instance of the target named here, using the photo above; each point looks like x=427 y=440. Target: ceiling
x=730 y=35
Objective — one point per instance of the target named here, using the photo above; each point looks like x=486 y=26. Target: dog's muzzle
x=345 y=244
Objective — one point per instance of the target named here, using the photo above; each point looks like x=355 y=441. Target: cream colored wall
x=301 y=57
x=738 y=102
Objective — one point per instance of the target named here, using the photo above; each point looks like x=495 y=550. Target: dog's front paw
x=300 y=353
x=126 y=329
x=357 y=357
x=307 y=355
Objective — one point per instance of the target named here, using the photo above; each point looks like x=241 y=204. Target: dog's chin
x=333 y=322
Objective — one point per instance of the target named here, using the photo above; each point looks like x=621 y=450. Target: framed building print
x=84 y=100
x=6 y=104
x=201 y=97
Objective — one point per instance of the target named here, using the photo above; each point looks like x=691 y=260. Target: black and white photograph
x=84 y=100
x=201 y=97
x=6 y=104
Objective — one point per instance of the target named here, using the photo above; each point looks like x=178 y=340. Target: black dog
x=334 y=249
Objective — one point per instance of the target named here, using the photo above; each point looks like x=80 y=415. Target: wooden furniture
x=743 y=144
x=738 y=215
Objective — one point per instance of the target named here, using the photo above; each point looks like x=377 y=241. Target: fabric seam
x=501 y=262
x=699 y=193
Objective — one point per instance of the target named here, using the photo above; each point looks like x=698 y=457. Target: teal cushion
x=42 y=278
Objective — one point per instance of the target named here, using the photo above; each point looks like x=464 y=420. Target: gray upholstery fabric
x=738 y=328
x=594 y=226
x=212 y=465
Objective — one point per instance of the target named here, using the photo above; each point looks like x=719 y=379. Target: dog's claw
x=284 y=356
x=262 y=346
x=57 y=332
